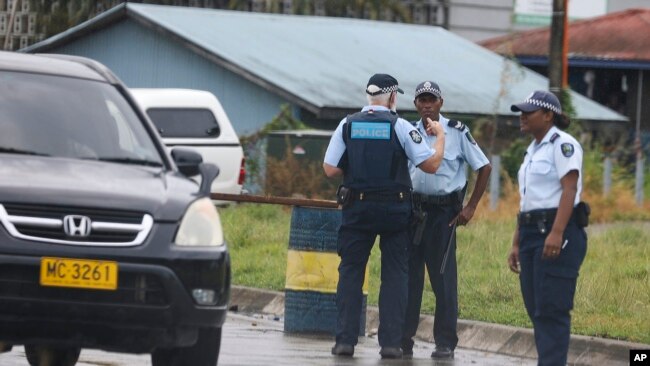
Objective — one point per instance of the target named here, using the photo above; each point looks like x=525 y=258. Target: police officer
x=440 y=198
x=549 y=243
x=371 y=150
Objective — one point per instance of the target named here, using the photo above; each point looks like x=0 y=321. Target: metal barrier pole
x=304 y=202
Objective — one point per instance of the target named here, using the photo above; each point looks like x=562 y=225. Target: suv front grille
x=96 y=236
x=20 y=281
x=58 y=212
x=75 y=225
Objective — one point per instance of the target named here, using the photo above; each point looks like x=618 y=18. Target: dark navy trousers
x=430 y=253
x=548 y=288
x=362 y=221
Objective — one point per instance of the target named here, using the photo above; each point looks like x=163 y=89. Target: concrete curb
x=474 y=335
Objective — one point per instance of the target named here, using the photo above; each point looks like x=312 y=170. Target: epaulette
x=456 y=124
x=555 y=137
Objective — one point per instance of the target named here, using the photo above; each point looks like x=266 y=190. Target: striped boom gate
x=312 y=272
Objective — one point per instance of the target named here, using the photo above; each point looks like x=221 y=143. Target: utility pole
x=11 y=24
x=558 y=48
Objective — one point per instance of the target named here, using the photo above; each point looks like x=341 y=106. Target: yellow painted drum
x=312 y=272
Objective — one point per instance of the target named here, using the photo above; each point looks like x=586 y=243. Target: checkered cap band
x=386 y=90
x=389 y=89
x=543 y=104
x=428 y=89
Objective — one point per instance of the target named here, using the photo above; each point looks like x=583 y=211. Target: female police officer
x=549 y=243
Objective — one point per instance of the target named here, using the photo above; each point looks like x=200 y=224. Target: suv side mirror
x=188 y=161
x=208 y=174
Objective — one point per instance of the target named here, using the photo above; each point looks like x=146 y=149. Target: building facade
x=18 y=24
x=608 y=60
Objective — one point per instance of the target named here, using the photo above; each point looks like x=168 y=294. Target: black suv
x=105 y=241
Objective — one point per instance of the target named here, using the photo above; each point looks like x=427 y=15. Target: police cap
x=382 y=84
x=428 y=87
x=538 y=99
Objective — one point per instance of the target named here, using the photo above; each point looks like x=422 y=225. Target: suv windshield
x=67 y=117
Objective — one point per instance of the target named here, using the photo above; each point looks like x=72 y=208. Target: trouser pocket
x=558 y=290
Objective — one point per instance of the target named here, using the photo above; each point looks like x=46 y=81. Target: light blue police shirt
x=543 y=167
x=417 y=152
x=451 y=176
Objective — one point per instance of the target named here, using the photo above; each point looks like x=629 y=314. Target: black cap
x=428 y=87
x=382 y=84
x=538 y=99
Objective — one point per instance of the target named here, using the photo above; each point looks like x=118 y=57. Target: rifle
x=461 y=197
x=451 y=237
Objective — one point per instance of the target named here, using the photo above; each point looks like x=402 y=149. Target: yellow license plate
x=78 y=273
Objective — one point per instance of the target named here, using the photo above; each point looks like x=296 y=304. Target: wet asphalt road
x=256 y=341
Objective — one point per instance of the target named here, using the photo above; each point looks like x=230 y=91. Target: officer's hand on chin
x=434 y=128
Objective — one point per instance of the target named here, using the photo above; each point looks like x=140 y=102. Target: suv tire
x=205 y=352
x=53 y=356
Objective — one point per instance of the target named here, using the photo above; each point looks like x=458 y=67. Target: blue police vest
x=375 y=159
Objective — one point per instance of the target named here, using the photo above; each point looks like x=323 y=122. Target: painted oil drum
x=312 y=272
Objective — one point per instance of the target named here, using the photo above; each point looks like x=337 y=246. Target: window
x=185 y=122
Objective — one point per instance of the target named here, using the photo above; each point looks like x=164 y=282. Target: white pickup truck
x=196 y=120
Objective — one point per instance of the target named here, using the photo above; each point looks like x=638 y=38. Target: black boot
x=442 y=352
x=341 y=349
x=390 y=352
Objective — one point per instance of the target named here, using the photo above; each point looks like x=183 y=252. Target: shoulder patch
x=555 y=137
x=456 y=124
x=567 y=149
x=415 y=136
x=470 y=137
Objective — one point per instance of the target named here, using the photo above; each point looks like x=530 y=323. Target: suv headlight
x=200 y=225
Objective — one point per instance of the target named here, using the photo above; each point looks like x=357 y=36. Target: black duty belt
x=382 y=196
x=430 y=200
x=536 y=216
x=541 y=218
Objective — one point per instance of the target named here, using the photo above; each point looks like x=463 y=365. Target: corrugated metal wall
x=143 y=58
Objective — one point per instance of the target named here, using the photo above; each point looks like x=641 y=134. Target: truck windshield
x=68 y=117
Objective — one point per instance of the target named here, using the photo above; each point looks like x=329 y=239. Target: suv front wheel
x=205 y=352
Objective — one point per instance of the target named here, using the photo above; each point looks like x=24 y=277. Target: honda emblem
x=76 y=225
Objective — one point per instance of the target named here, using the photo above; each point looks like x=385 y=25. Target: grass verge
x=612 y=299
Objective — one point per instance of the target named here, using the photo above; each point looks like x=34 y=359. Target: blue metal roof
x=324 y=63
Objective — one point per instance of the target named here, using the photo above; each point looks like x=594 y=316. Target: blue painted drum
x=312 y=272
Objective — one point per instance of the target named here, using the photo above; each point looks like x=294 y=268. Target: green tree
x=59 y=15
x=372 y=9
